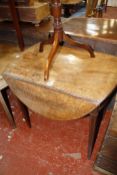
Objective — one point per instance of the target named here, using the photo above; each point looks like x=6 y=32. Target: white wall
x=112 y=3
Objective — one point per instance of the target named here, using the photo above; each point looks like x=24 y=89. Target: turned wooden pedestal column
x=59 y=37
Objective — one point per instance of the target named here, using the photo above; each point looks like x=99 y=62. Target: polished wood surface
x=94 y=28
x=101 y=34
x=77 y=82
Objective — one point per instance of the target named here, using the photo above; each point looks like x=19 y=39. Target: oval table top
x=77 y=83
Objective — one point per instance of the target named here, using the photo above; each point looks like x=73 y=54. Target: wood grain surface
x=7 y=54
x=76 y=86
x=94 y=28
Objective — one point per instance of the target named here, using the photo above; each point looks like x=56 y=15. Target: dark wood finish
x=70 y=7
x=107 y=157
x=18 y=2
x=59 y=37
x=96 y=119
x=25 y=112
x=6 y=106
x=92 y=132
x=106 y=4
x=15 y=18
x=105 y=164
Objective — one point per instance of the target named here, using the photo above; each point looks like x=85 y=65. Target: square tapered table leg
x=6 y=106
x=96 y=118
